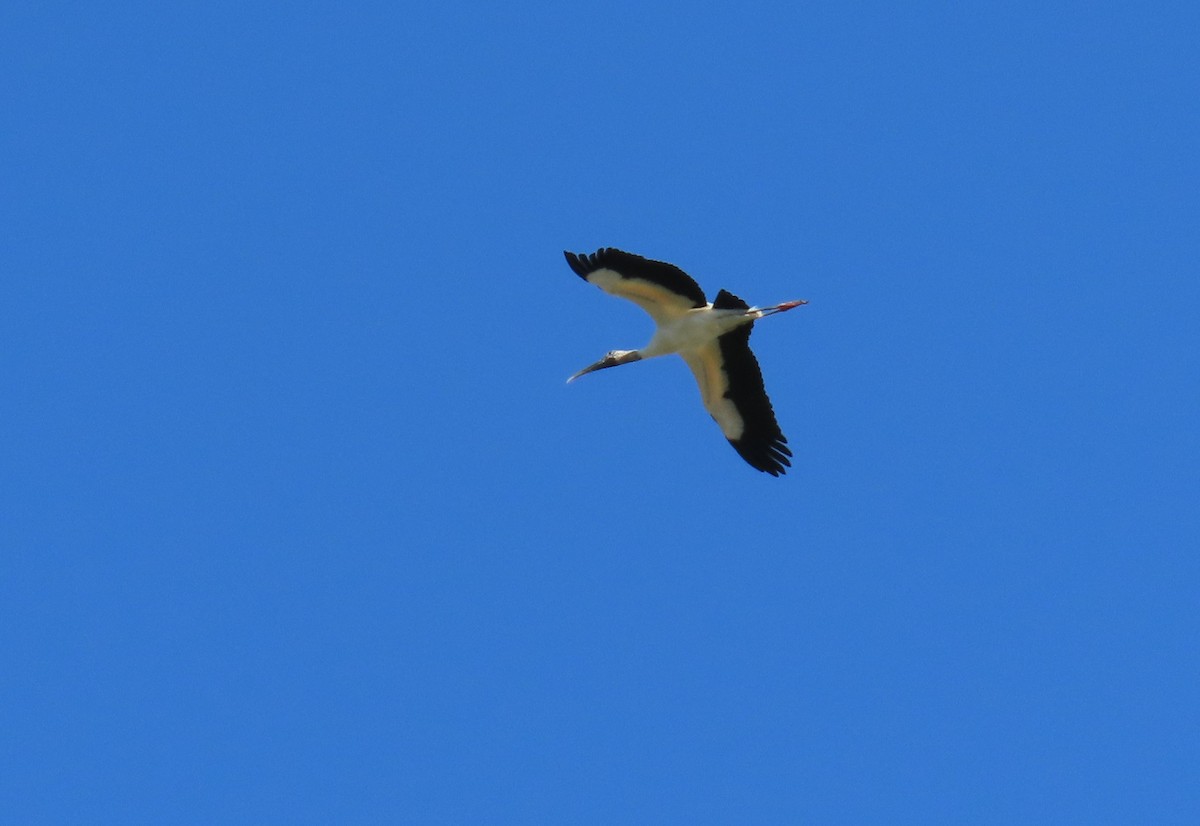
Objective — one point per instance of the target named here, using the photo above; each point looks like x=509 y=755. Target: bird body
x=713 y=339
x=692 y=329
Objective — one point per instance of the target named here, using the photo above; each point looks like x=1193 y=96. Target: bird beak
x=604 y=362
x=610 y=360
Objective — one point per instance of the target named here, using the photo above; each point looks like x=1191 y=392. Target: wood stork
x=714 y=340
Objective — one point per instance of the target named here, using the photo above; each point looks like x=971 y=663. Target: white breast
x=693 y=330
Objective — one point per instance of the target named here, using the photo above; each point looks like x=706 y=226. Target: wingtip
x=577 y=263
x=771 y=458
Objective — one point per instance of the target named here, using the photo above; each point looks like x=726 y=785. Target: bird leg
x=781 y=308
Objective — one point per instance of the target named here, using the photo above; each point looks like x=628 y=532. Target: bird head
x=611 y=359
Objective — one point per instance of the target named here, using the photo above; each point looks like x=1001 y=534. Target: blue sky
x=300 y=523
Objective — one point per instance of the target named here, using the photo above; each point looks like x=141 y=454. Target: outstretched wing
x=663 y=290
x=731 y=386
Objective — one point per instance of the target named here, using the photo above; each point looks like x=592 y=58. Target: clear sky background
x=300 y=523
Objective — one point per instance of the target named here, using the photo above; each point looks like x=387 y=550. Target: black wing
x=761 y=442
x=658 y=287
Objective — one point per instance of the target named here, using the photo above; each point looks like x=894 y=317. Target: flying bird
x=714 y=340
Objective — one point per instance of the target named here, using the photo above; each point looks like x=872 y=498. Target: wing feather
x=661 y=289
x=731 y=386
